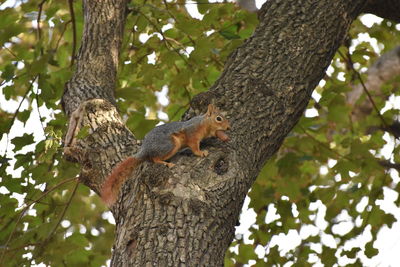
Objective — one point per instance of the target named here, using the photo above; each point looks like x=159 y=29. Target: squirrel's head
x=218 y=123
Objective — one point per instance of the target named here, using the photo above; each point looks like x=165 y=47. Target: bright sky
x=388 y=241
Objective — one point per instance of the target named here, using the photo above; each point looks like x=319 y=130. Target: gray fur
x=158 y=141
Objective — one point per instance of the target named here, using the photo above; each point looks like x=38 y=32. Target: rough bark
x=92 y=88
x=97 y=63
x=185 y=216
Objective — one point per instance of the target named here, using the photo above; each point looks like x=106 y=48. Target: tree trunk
x=185 y=216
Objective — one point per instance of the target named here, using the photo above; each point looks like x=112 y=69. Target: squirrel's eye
x=218 y=118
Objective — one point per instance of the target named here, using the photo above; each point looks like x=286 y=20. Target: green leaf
x=8 y=72
x=23 y=116
x=370 y=251
x=246 y=253
x=229 y=34
x=328 y=256
x=20 y=142
x=203 y=6
x=143 y=127
x=376 y=216
x=351 y=253
x=78 y=257
x=78 y=240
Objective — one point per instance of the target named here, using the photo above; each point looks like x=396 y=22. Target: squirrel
x=163 y=142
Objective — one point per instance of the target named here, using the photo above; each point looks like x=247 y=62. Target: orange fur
x=118 y=176
x=193 y=141
x=213 y=124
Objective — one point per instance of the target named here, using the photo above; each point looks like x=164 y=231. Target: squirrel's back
x=159 y=142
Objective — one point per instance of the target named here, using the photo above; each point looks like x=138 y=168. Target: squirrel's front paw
x=170 y=165
x=204 y=153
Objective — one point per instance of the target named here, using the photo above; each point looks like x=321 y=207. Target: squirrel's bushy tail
x=118 y=176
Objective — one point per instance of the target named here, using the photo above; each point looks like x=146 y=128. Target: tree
x=186 y=215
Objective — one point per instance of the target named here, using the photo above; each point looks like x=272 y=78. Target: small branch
x=17 y=111
x=169 y=46
x=358 y=75
x=173 y=16
x=187 y=35
x=62 y=34
x=13 y=78
x=71 y=10
x=393 y=129
x=324 y=145
x=26 y=208
x=179 y=110
x=20 y=103
x=389 y=165
x=197 y=3
x=39 y=32
x=22 y=246
x=388 y=9
x=10 y=51
x=40 y=115
x=370 y=98
x=383 y=163
x=63 y=213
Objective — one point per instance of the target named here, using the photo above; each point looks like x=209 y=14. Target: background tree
x=187 y=214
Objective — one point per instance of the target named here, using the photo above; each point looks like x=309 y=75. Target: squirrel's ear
x=210 y=109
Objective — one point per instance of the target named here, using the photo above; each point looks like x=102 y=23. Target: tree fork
x=186 y=215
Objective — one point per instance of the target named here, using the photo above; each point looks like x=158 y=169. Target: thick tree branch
x=387 y=9
x=91 y=88
x=97 y=60
x=268 y=81
x=186 y=215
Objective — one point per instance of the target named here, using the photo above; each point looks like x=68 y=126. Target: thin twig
x=372 y=199
x=40 y=115
x=26 y=208
x=179 y=110
x=349 y=62
x=51 y=164
x=323 y=145
x=169 y=46
x=39 y=32
x=71 y=10
x=17 y=111
x=63 y=212
x=62 y=34
x=10 y=51
x=132 y=32
x=197 y=3
x=173 y=16
x=13 y=78
x=389 y=165
x=22 y=246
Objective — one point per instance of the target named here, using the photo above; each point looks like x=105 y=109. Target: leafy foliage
x=46 y=217
x=329 y=169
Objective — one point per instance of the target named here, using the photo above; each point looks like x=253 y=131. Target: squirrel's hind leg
x=177 y=140
x=168 y=164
